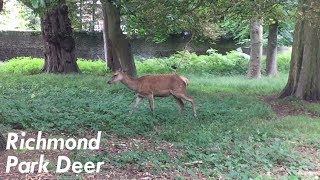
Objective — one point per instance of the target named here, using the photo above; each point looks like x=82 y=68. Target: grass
x=236 y=134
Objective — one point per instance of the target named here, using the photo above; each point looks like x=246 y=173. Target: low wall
x=90 y=45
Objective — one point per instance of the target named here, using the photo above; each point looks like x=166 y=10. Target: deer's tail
x=185 y=80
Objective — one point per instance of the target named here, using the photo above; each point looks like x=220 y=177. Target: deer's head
x=117 y=76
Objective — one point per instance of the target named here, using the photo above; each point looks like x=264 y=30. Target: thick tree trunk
x=272 y=68
x=109 y=54
x=120 y=43
x=304 y=76
x=2 y=143
x=59 y=44
x=256 y=49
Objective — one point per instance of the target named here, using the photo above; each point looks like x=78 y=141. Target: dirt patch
x=284 y=108
x=110 y=145
x=313 y=155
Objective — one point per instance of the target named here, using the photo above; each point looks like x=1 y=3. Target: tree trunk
x=3 y=143
x=304 y=75
x=272 y=68
x=1 y=5
x=109 y=52
x=81 y=14
x=93 y=16
x=59 y=44
x=120 y=43
x=256 y=48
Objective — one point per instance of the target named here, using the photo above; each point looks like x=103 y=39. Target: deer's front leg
x=138 y=99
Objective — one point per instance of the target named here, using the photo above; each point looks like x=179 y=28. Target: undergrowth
x=233 y=63
x=236 y=134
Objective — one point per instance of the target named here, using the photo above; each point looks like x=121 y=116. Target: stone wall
x=90 y=45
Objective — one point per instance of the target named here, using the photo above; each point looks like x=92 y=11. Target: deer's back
x=161 y=85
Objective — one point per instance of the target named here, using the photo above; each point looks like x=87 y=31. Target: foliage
x=238 y=13
x=22 y=65
x=28 y=66
x=171 y=17
x=97 y=67
x=233 y=63
x=239 y=31
x=22 y=15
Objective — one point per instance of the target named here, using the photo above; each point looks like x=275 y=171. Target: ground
x=242 y=129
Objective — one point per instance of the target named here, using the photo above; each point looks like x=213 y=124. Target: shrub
x=284 y=61
x=29 y=65
x=233 y=63
x=92 y=67
x=22 y=65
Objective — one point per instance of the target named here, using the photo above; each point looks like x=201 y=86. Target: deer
x=150 y=86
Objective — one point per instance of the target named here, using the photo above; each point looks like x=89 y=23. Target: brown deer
x=151 y=86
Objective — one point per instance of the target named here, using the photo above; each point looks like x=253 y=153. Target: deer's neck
x=131 y=83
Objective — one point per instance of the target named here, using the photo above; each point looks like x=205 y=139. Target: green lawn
x=236 y=133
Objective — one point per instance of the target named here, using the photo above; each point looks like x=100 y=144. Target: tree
x=2 y=143
x=270 y=12
x=93 y=15
x=304 y=75
x=110 y=54
x=141 y=19
x=1 y=5
x=2 y=139
x=157 y=20
x=120 y=43
x=256 y=31
x=240 y=10
x=59 y=44
x=271 y=61
x=282 y=13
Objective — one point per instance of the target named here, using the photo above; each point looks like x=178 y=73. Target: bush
x=29 y=65
x=233 y=63
x=184 y=62
x=92 y=67
x=22 y=65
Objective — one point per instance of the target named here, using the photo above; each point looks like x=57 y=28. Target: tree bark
x=120 y=42
x=271 y=66
x=304 y=75
x=59 y=44
x=109 y=52
x=3 y=143
x=256 y=48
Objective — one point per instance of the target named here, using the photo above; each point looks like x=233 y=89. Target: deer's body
x=151 y=86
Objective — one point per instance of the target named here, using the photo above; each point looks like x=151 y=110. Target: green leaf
x=42 y=3
x=35 y=3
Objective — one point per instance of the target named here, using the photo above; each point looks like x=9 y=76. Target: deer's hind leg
x=188 y=98
x=138 y=99
x=180 y=102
